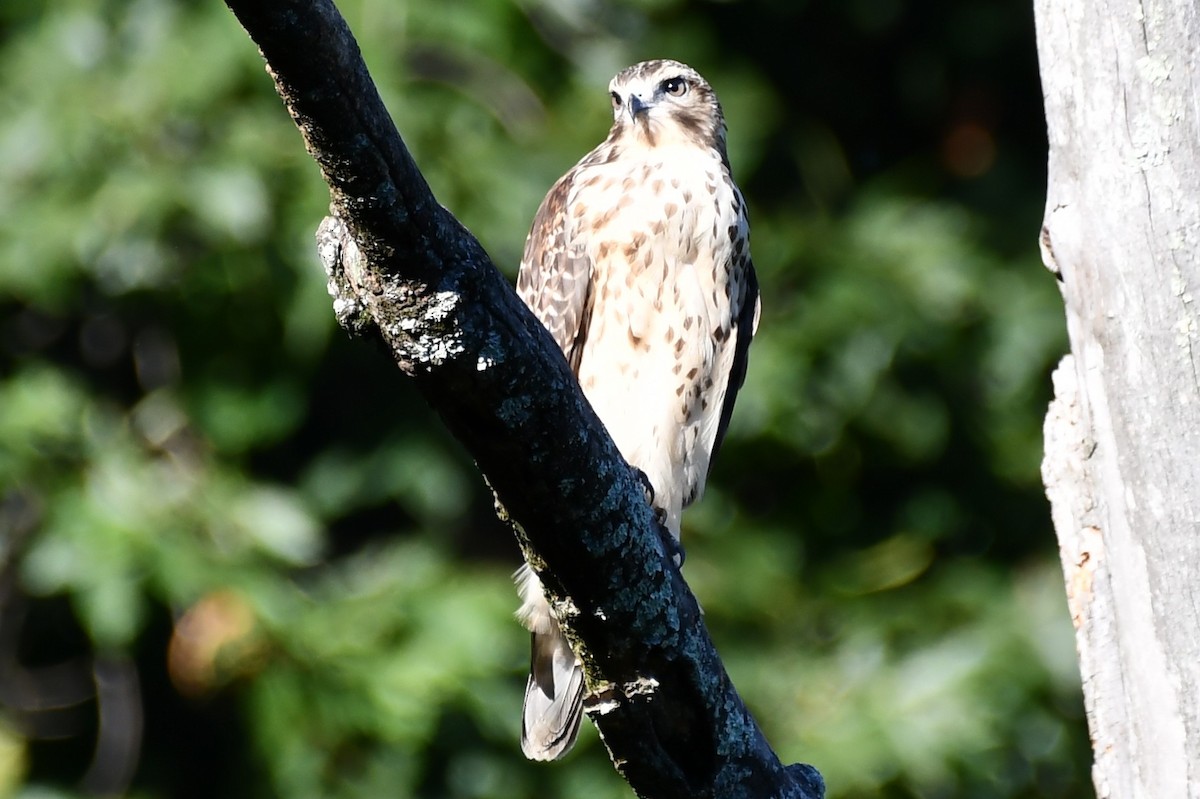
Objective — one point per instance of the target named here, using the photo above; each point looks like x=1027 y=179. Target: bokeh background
x=240 y=556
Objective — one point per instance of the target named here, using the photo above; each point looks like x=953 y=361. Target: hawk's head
x=665 y=102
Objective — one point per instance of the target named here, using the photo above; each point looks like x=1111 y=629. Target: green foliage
x=201 y=474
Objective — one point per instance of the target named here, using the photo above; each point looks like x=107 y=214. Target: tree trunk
x=1122 y=466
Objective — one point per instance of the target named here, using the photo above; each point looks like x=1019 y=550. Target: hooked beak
x=637 y=106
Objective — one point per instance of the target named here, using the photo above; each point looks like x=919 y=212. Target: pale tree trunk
x=1122 y=469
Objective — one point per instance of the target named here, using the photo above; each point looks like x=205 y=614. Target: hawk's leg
x=670 y=543
x=648 y=487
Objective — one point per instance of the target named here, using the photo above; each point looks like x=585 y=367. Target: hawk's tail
x=553 y=699
x=554 y=692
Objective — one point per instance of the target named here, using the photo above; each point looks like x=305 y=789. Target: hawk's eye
x=676 y=87
x=616 y=98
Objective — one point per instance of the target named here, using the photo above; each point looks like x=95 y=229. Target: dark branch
x=403 y=270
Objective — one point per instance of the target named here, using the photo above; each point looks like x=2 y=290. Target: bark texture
x=405 y=272
x=1122 y=468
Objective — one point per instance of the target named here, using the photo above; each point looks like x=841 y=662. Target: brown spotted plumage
x=638 y=264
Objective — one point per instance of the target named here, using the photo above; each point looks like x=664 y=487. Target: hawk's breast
x=660 y=232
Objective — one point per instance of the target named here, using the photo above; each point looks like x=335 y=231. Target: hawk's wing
x=555 y=277
x=746 y=325
x=554 y=282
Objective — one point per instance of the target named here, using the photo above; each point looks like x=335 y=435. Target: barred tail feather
x=554 y=692
x=553 y=698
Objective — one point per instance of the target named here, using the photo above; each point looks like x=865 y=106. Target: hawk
x=638 y=263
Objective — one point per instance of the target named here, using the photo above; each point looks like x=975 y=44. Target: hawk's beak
x=637 y=106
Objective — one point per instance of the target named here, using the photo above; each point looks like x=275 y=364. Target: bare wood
x=404 y=271
x=1122 y=466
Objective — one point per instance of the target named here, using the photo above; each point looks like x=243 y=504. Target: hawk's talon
x=671 y=544
x=647 y=486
